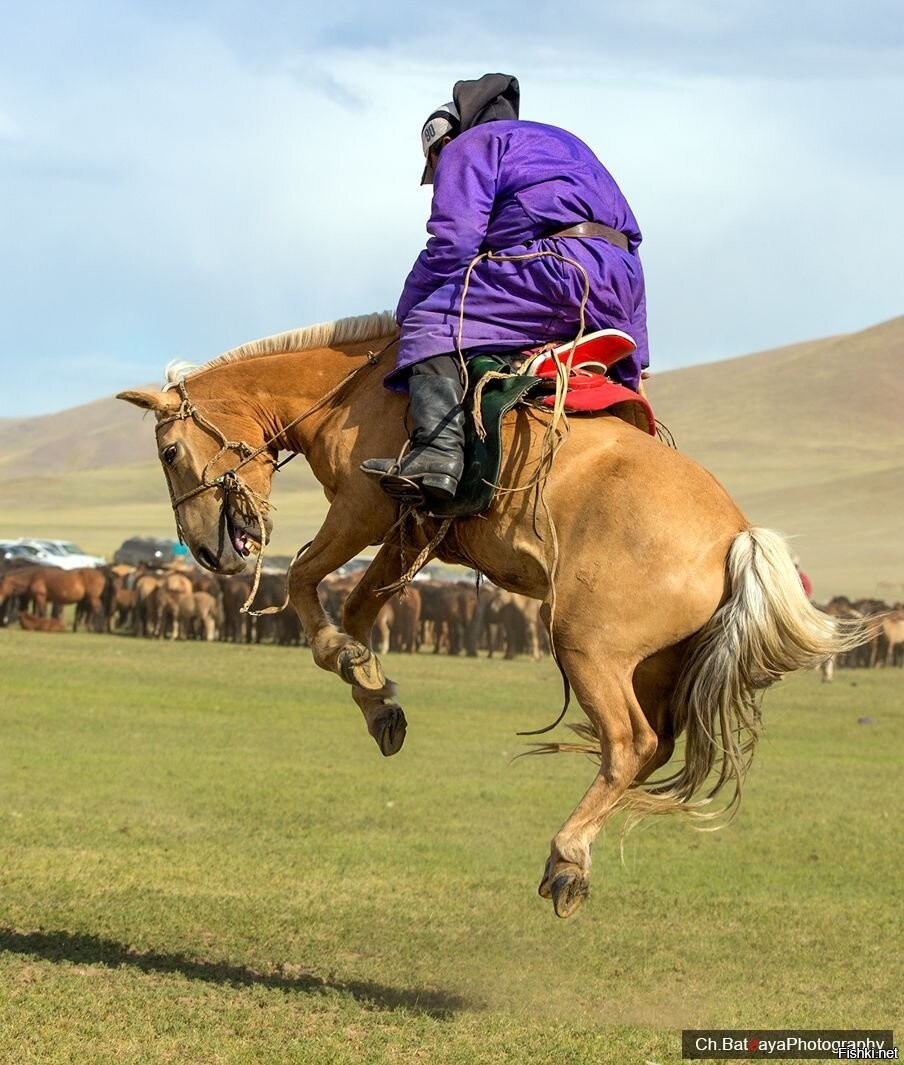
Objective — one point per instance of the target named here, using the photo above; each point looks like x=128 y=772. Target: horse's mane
x=353 y=330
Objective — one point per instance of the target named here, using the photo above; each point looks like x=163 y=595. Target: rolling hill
x=809 y=438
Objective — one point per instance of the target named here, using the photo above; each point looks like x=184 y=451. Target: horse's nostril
x=206 y=558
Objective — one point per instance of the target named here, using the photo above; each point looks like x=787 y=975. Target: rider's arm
x=463 y=194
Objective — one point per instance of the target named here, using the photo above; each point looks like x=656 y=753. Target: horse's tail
x=765 y=629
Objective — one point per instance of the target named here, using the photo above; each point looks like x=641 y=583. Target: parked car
x=62 y=553
x=149 y=550
x=10 y=552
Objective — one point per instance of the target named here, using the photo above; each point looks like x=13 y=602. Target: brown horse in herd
x=58 y=587
x=32 y=623
x=667 y=611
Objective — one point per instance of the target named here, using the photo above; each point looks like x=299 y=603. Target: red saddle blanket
x=589 y=389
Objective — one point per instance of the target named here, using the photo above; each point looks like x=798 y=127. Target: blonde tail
x=766 y=629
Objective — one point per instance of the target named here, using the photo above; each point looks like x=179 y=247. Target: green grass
x=205 y=859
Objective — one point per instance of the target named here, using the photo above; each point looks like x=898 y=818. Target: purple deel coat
x=502 y=186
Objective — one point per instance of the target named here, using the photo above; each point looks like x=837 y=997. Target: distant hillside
x=809 y=439
x=90 y=437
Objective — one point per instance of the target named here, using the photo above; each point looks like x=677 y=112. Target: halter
x=230 y=482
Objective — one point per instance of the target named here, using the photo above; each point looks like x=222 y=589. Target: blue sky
x=179 y=178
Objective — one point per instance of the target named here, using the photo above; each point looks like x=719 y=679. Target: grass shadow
x=79 y=949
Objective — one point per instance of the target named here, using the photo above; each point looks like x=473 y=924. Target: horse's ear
x=161 y=402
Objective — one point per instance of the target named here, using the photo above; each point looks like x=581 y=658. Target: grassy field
x=205 y=859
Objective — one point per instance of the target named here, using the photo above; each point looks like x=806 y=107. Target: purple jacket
x=503 y=186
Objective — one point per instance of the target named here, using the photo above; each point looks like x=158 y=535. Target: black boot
x=435 y=462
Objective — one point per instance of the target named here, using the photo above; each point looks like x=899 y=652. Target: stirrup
x=402 y=489
x=394 y=484
x=427 y=487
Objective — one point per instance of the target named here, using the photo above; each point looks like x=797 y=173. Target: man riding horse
x=675 y=629
x=530 y=238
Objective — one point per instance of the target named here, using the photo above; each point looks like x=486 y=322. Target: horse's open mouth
x=245 y=545
x=241 y=537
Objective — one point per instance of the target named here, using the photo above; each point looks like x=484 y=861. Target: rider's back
x=537 y=177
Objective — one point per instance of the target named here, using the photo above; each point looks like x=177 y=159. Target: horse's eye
x=169 y=454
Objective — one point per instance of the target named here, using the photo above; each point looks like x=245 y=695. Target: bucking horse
x=667 y=612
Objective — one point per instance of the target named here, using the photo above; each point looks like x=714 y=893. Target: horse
x=667 y=612
x=32 y=623
x=49 y=584
x=893 y=633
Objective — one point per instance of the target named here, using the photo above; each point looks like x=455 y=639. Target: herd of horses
x=885 y=625
x=182 y=602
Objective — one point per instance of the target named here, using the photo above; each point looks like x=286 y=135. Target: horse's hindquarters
x=636 y=533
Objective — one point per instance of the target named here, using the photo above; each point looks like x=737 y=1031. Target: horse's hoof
x=389 y=730
x=543 y=890
x=357 y=666
x=568 y=890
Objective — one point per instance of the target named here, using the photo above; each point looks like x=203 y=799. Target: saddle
x=531 y=379
x=593 y=353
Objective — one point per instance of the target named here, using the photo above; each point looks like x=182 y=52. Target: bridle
x=230 y=482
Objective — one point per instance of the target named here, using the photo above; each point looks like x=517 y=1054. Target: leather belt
x=593 y=229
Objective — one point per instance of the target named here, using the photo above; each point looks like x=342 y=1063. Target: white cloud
x=206 y=185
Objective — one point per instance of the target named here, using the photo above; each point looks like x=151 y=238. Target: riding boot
x=435 y=462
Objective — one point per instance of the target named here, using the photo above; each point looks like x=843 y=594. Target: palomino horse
x=666 y=610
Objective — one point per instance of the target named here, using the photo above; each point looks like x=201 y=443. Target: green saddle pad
x=483 y=458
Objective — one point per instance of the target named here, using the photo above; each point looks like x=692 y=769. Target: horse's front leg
x=385 y=718
x=343 y=534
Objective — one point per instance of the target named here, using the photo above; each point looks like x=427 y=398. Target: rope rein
x=423 y=556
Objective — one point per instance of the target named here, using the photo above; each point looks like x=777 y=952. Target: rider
x=515 y=188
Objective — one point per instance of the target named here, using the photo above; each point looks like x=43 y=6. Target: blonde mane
x=353 y=330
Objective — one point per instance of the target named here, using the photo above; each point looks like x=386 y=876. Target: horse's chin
x=228 y=563
x=234 y=566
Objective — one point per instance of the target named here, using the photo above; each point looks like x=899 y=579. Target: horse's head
x=218 y=471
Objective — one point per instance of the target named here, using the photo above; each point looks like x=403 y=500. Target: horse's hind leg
x=628 y=745
x=654 y=685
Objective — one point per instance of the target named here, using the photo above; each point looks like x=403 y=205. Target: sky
x=179 y=178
